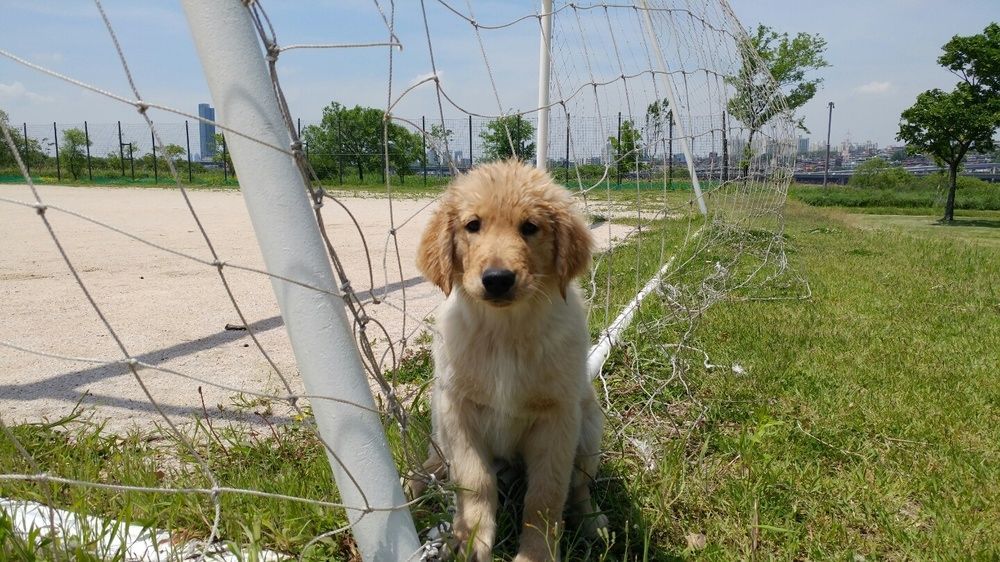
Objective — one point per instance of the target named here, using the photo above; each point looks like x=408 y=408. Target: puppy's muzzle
x=498 y=283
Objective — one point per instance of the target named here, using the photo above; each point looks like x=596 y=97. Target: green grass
x=861 y=421
x=977 y=195
x=866 y=420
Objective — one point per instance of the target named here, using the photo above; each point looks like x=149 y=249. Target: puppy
x=510 y=359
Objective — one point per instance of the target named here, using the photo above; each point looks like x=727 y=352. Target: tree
x=975 y=59
x=761 y=93
x=35 y=153
x=949 y=125
x=222 y=155
x=74 y=142
x=173 y=152
x=508 y=136
x=438 y=140
x=353 y=138
x=658 y=117
x=625 y=148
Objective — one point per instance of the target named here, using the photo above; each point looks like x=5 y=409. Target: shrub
x=879 y=174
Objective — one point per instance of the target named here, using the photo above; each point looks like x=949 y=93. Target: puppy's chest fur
x=513 y=370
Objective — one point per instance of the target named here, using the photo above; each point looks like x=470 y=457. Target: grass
x=861 y=422
x=978 y=195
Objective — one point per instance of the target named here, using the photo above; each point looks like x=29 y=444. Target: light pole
x=826 y=168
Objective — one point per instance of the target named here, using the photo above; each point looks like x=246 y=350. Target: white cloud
x=874 y=87
x=17 y=92
x=426 y=76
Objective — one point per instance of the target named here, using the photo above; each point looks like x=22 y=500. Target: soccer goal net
x=206 y=373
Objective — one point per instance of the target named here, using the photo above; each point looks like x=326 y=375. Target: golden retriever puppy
x=510 y=358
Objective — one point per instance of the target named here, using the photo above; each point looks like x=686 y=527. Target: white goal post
x=321 y=337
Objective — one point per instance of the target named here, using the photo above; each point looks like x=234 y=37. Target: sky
x=882 y=54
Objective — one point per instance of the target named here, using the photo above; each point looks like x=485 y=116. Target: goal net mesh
x=657 y=110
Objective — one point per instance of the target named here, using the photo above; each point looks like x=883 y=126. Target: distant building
x=206 y=131
x=803 y=145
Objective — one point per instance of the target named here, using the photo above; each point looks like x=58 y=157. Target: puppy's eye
x=472 y=226
x=528 y=228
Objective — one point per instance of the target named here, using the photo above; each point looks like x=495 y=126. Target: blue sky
x=882 y=53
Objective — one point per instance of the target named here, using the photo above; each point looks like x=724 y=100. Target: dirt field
x=168 y=310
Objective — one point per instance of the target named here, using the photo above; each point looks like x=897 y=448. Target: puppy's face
x=505 y=232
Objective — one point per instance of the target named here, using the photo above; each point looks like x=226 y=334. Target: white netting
x=225 y=450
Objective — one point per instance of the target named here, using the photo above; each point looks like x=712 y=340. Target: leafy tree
x=626 y=147
x=975 y=59
x=509 y=136
x=35 y=153
x=876 y=173
x=74 y=143
x=761 y=93
x=352 y=138
x=222 y=155
x=439 y=138
x=658 y=116
x=174 y=152
x=949 y=125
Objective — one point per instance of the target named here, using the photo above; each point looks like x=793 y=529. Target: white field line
x=113 y=539
x=611 y=336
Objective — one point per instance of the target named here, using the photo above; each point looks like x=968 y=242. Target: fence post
x=131 y=160
x=725 y=150
x=670 y=149
x=321 y=336
x=566 y=163
x=121 y=148
x=340 y=150
x=618 y=164
x=27 y=150
x=423 y=138
x=86 y=135
x=156 y=173
x=55 y=141
x=470 y=144
x=187 y=139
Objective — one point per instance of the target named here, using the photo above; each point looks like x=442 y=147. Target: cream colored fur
x=510 y=376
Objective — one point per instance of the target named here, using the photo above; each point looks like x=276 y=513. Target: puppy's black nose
x=498 y=281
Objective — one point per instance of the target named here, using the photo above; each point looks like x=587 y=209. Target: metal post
x=340 y=150
x=55 y=141
x=829 y=123
x=470 y=143
x=725 y=149
x=187 y=139
x=423 y=142
x=131 y=160
x=121 y=148
x=670 y=149
x=86 y=135
x=27 y=150
x=544 y=71
x=225 y=165
x=156 y=173
x=672 y=99
x=618 y=165
x=566 y=164
x=321 y=336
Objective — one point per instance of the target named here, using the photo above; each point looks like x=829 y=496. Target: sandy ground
x=167 y=310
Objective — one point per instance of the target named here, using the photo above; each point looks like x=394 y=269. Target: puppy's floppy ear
x=436 y=254
x=572 y=246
